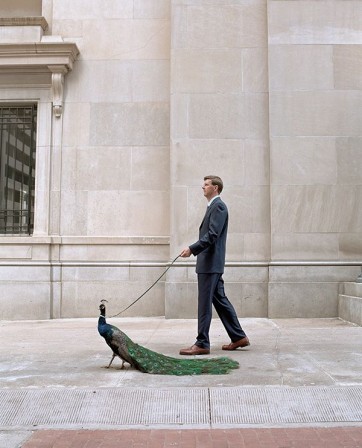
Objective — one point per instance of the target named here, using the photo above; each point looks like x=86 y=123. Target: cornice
x=56 y=57
x=24 y=21
x=38 y=54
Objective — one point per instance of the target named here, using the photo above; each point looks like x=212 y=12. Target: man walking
x=210 y=251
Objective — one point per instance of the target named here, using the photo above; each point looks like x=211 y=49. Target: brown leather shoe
x=244 y=342
x=194 y=350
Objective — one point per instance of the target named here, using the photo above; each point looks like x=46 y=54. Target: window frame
x=26 y=214
x=42 y=99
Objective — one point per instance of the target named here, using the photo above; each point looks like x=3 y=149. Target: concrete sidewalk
x=296 y=373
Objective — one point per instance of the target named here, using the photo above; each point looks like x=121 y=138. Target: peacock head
x=102 y=307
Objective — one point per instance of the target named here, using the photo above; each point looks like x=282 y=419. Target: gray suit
x=210 y=251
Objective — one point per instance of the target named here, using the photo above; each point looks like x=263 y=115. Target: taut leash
x=153 y=284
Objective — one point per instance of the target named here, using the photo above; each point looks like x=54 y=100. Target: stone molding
x=86 y=240
x=24 y=21
x=54 y=57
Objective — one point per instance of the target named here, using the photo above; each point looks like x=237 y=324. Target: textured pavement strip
x=337 y=437
x=204 y=407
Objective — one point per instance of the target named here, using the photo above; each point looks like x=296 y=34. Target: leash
x=153 y=284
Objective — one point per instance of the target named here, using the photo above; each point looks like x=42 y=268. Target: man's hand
x=185 y=252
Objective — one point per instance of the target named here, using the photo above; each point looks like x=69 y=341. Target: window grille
x=17 y=169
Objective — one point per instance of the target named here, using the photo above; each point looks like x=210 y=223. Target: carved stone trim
x=54 y=57
x=38 y=54
x=57 y=93
x=24 y=21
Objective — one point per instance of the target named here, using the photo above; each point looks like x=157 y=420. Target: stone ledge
x=24 y=21
x=350 y=308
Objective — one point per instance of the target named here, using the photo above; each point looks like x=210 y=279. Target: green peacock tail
x=152 y=362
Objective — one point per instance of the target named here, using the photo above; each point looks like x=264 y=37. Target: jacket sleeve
x=217 y=221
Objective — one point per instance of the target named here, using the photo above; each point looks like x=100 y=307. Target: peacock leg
x=109 y=365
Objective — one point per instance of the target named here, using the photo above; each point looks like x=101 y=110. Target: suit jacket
x=211 y=246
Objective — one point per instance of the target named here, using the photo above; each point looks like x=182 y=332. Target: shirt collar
x=213 y=200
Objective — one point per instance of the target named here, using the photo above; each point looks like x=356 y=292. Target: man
x=210 y=251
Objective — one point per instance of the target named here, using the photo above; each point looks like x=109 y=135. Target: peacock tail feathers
x=149 y=361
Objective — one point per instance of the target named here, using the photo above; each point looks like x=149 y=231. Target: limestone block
x=349 y=160
x=112 y=252
x=352 y=289
x=131 y=39
x=151 y=9
x=235 y=249
x=337 y=22
x=150 y=168
x=311 y=274
x=69 y=175
x=255 y=69
x=92 y=9
x=179 y=219
x=151 y=81
x=246 y=274
x=40 y=252
x=24 y=273
x=179 y=116
x=248 y=209
x=81 y=299
x=24 y=79
x=74 y=213
x=76 y=120
x=21 y=8
x=249 y=299
x=347 y=66
x=257 y=246
x=20 y=34
x=179 y=26
x=350 y=246
x=128 y=213
x=317 y=208
x=14 y=251
x=227 y=26
x=25 y=300
x=316 y=113
x=100 y=82
x=54 y=218
x=191 y=272
x=147 y=274
x=301 y=67
x=350 y=309
x=208 y=71
x=304 y=246
x=303 y=300
x=193 y=159
x=177 y=274
x=228 y=116
x=256 y=162
x=95 y=273
x=129 y=124
x=67 y=28
x=215 y=116
x=181 y=301
x=303 y=161
x=196 y=209
x=99 y=168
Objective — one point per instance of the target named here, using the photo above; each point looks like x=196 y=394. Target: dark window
x=17 y=169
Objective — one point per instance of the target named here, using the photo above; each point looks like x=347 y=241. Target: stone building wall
x=266 y=94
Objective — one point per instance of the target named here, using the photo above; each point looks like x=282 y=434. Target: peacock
x=149 y=361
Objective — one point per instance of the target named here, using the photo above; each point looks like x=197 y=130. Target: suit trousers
x=211 y=292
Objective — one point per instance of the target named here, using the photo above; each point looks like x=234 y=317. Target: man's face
x=209 y=190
